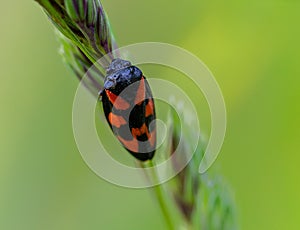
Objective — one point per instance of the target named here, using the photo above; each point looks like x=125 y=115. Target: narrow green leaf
x=72 y=10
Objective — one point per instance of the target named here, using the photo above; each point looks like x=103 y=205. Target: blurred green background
x=253 y=49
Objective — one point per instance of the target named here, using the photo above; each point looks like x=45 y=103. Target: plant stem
x=159 y=192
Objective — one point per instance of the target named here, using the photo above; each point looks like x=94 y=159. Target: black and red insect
x=129 y=108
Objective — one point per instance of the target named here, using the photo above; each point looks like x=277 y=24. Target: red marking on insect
x=136 y=132
x=117 y=101
x=149 y=108
x=132 y=145
x=140 y=94
x=116 y=120
x=152 y=138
